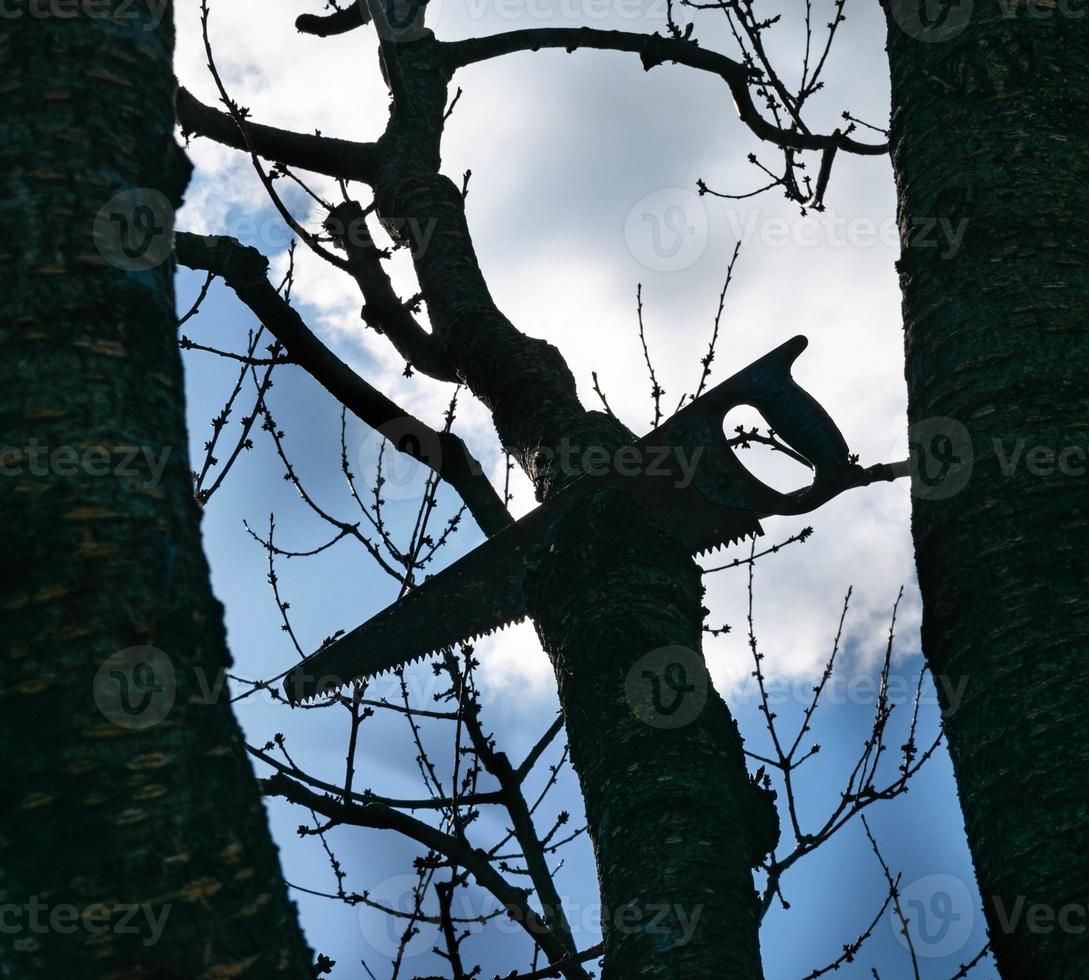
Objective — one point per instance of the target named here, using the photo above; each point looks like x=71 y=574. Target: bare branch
x=384 y=309
x=339 y=22
x=318 y=154
x=244 y=270
x=894 y=894
x=376 y=816
x=556 y=969
x=653 y=50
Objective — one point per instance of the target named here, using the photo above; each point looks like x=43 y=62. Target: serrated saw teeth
x=309 y=681
x=298 y=691
x=473 y=638
x=728 y=542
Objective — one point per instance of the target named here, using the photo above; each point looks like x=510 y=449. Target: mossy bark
x=989 y=136
x=128 y=848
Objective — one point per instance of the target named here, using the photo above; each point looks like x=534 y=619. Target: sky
x=584 y=170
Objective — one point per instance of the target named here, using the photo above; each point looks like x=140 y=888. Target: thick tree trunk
x=675 y=822
x=989 y=138
x=133 y=842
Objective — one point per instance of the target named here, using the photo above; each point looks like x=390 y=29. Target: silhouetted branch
x=244 y=270
x=653 y=50
x=384 y=310
x=556 y=969
x=318 y=154
x=966 y=968
x=894 y=894
x=198 y=302
x=339 y=22
x=656 y=390
x=851 y=949
x=378 y=817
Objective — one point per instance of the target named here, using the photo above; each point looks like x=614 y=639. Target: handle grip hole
x=768 y=457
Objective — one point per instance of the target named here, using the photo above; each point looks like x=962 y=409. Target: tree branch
x=556 y=969
x=244 y=269
x=339 y=22
x=535 y=753
x=367 y=797
x=384 y=310
x=458 y=853
x=344 y=159
x=653 y=50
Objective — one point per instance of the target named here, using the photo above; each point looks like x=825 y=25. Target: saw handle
x=803 y=424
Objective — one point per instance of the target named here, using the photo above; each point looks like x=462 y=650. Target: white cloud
x=514 y=668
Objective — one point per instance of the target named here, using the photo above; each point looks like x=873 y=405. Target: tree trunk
x=133 y=842
x=675 y=822
x=989 y=139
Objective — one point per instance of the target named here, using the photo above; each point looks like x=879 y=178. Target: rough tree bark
x=104 y=812
x=988 y=128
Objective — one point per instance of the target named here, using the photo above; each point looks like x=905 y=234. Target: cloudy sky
x=583 y=186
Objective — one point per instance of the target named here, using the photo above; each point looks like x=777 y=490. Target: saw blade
x=483 y=592
x=690 y=481
x=475 y=596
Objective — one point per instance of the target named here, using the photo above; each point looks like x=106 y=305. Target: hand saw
x=711 y=501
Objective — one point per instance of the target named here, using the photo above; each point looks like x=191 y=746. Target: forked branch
x=244 y=269
x=653 y=50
